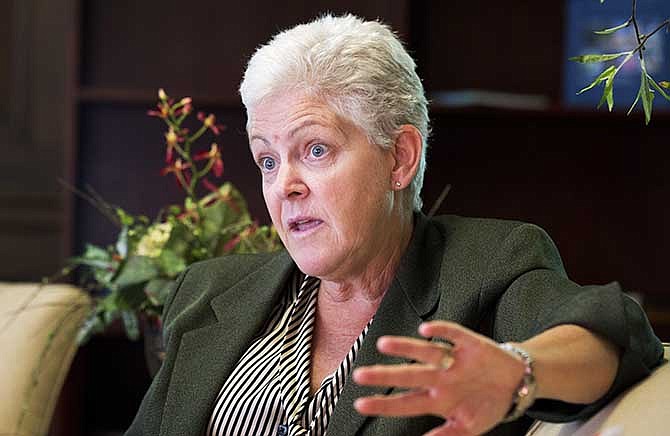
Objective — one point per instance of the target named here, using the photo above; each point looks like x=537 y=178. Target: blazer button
x=282 y=430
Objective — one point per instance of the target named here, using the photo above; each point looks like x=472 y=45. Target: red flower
x=180 y=171
x=184 y=107
x=191 y=214
x=210 y=122
x=210 y=186
x=162 y=112
x=171 y=139
x=214 y=155
x=230 y=245
x=220 y=196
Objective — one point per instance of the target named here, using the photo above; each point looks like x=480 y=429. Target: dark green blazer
x=502 y=278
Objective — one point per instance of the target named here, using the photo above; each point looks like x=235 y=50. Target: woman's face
x=327 y=188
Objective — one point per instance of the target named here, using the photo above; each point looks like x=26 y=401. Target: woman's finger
x=410 y=403
x=454 y=333
x=419 y=350
x=401 y=376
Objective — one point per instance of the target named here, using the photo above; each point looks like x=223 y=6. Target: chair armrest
x=640 y=410
x=38 y=328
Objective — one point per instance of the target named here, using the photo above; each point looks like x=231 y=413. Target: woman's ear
x=407 y=153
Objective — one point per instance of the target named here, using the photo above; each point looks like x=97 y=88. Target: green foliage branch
x=648 y=86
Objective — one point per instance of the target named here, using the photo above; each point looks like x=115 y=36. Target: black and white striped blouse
x=268 y=391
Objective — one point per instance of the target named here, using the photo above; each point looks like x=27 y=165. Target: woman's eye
x=268 y=164
x=317 y=150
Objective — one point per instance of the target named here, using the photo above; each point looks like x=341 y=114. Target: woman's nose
x=290 y=183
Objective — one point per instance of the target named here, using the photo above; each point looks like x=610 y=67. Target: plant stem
x=198 y=134
x=637 y=29
x=660 y=26
x=642 y=40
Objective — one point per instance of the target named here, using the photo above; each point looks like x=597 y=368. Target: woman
x=267 y=344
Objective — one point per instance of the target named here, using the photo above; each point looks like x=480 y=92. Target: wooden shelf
x=88 y=94
x=555 y=112
x=95 y=95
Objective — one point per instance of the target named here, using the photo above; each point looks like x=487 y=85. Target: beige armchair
x=38 y=326
x=642 y=410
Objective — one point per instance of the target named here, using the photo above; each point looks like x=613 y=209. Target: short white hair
x=358 y=67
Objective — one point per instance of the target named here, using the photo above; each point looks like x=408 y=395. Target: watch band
x=524 y=396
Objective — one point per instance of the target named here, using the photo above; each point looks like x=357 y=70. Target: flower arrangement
x=131 y=279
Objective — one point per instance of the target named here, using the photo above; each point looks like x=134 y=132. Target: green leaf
x=92 y=252
x=226 y=208
x=131 y=324
x=608 y=93
x=592 y=58
x=91 y=326
x=645 y=93
x=108 y=310
x=180 y=238
x=602 y=76
x=189 y=204
x=171 y=263
x=609 y=89
x=138 y=269
x=637 y=98
x=158 y=290
x=93 y=263
x=658 y=88
x=131 y=297
x=122 y=242
x=125 y=218
x=611 y=30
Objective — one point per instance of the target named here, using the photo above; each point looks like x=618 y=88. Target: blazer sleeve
x=527 y=280
x=148 y=417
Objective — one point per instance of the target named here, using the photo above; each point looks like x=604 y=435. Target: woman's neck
x=367 y=288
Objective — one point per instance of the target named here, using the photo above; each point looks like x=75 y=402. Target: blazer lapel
x=394 y=317
x=411 y=298
x=207 y=355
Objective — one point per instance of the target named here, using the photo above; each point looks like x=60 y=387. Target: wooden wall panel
x=5 y=57
x=32 y=65
x=202 y=48
x=586 y=179
x=513 y=46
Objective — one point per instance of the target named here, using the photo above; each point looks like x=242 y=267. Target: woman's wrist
x=526 y=392
x=572 y=364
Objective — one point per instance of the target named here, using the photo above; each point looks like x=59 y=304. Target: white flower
x=153 y=241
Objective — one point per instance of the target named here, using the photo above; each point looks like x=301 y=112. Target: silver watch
x=524 y=396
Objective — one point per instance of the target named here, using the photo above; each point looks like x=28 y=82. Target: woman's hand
x=470 y=384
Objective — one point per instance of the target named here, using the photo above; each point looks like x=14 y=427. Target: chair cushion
x=38 y=327
x=641 y=410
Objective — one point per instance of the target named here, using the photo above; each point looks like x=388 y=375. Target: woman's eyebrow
x=260 y=138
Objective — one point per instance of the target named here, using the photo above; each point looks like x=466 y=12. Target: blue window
x=582 y=18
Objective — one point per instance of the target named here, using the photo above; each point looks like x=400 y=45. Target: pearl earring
x=398 y=184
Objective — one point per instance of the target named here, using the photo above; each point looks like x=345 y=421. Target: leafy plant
x=132 y=277
x=648 y=86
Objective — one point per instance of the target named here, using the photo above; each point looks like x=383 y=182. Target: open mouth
x=303 y=224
